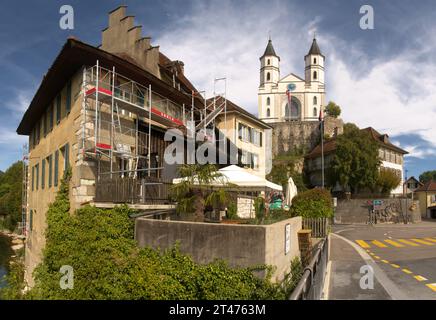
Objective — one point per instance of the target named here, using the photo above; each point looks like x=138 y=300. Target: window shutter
x=56 y=168
x=50 y=169
x=43 y=174
x=58 y=108
x=68 y=102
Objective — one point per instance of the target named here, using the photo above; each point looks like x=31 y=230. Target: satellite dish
x=291 y=87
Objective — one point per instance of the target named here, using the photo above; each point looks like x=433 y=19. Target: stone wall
x=239 y=245
x=291 y=135
x=356 y=211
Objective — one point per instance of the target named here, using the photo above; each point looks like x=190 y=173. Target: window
x=68 y=99
x=315 y=101
x=140 y=97
x=268 y=113
x=314 y=60
x=31 y=220
x=50 y=170
x=56 y=168
x=45 y=123
x=255 y=161
x=33 y=178
x=268 y=76
x=268 y=101
x=37 y=175
x=58 y=109
x=43 y=174
x=268 y=61
x=66 y=154
x=315 y=112
x=38 y=132
x=51 y=116
x=314 y=75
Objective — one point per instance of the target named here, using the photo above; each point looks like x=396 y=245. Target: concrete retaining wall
x=357 y=210
x=240 y=245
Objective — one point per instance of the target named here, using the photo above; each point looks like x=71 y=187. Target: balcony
x=141 y=193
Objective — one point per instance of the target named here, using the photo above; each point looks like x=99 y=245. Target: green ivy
x=108 y=264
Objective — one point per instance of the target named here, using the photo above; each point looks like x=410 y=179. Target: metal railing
x=319 y=226
x=148 y=190
x=311 y=283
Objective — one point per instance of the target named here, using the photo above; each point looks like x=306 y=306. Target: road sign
x=377 y=204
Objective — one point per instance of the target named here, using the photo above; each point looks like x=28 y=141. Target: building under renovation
x=103 y=112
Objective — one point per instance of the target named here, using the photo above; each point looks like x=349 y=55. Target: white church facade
x=306 y=96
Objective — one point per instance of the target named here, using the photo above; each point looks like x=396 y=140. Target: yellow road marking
x=379 y=244
x=394 y=243
x=423 y=242
x=407 y=271
x=385 y=261
x=395 y=265
x=363 y=244
x=410 y=243
x=430 y=239
x=420 y=278
x=432 y=286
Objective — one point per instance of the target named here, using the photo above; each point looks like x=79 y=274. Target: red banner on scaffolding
x=166 y=116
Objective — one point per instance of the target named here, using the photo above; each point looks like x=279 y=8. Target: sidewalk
x=345 y=275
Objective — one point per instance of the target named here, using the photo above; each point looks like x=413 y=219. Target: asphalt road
x=403 y=258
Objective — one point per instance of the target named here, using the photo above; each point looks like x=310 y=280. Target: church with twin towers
x=306 y=96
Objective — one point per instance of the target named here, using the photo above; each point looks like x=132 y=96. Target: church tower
x=269 y=79
x=314 y=64
x=269 y=66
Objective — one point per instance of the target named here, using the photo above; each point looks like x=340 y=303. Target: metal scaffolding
x=110 y=100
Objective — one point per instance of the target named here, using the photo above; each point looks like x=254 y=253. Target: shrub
x=388 y=179
x=314 y=203
x=107 y=263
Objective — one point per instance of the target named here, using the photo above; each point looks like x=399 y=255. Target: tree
x=427 y=176
x=285 y=166
x=195 y=191
x=356 y=160
x=388 y=180
x=333 y=110
x=10 y=195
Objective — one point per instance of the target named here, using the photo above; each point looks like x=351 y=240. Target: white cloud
x=19 y=102
x=224 y=39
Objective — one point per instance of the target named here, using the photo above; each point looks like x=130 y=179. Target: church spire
x=314 y=49
x=269 y=51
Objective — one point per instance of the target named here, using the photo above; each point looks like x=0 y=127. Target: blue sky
x=382 y=78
